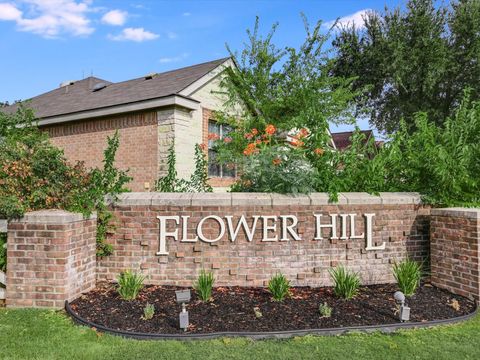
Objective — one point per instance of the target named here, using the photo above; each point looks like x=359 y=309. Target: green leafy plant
x=407 y=273
x=204 y=285
x=279 y=287
x=148 y=312
x=35 y=175
x=129 y=284
x=325 y=310
x=3 y=252
x=346 y=283
x=198 y=181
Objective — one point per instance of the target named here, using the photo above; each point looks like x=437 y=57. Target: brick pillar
x=51 y=258
x=455 y=238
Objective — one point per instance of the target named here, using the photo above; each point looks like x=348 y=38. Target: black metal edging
x=387 y=328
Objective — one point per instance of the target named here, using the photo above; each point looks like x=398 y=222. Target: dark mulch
x=232 y=309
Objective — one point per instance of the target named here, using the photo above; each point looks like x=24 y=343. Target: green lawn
x=37 y=334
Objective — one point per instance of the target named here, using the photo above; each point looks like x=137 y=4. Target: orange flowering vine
x=250 y=149
x=276 y=161
x=213 y=136
x=297 y=143
x=270 y=129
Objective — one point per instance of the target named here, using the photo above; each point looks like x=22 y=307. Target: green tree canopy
x=419 y=59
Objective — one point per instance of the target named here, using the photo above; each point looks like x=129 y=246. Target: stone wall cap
x=251 y=199
x=360 y=198
x=286 y=200
x=401 y=198
x=262 y=199
x=211 y=199
x=53 y=216
x=469 y=213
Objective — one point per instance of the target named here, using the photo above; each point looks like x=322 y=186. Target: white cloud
x=186 y=14
x=50 y=18
x=167 y=60
x=356 y=18
x=134 y=34
x=9 y=12
x=115 y=17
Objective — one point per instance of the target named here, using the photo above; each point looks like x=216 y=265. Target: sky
x=46 y=42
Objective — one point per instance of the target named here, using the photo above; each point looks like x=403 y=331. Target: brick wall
x=51 y=258
x=86 y=141
x=400 y=221
x=455 y=238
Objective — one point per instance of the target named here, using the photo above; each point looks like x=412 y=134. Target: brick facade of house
x=138 y=151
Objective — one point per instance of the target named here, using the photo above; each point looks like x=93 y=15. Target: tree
x=287 y=93
x=420 y=59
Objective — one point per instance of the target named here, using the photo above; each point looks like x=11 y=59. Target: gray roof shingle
x=80 y=97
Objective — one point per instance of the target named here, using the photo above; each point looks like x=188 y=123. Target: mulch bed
x=232 y=309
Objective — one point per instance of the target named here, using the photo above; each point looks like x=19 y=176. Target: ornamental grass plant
x=407 y=274
x=346 y=283
x=129 y=284
x=279 y=287
x=204 y=285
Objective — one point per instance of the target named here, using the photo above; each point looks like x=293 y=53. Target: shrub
x=407 y=274
x=204 y=285
x=325 y=310
x=129 y=284
x=279 y=287
x=346 y=283
x=148 y=312
x=198 y=181
x=35 y=175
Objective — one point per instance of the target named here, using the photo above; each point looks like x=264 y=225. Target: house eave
x=171 y=100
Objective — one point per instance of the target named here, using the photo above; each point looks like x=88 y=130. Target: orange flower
x=318 y=151
x=203 y=146
x=248 y=136
x=297 y=143
x=276 y=162
x=213 y=136
x=254 y=131
x=270 y=129
x=250 y=149
x=227 y=139
x=258 y=141
x=303 y=133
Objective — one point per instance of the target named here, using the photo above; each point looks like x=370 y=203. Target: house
x=149 y=112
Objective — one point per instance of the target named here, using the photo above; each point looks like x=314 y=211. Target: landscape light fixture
x=404 y=314
x=183 y=297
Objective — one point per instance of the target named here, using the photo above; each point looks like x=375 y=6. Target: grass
x=41 y=334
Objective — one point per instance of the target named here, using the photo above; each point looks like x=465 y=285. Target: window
x=214 y=168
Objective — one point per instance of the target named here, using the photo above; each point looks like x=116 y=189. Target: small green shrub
x=148 y=312
x=130 y=284
x=346 y=283
x=407 y=274
x=204 y=285
x=279 y=287
x=325 y=310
